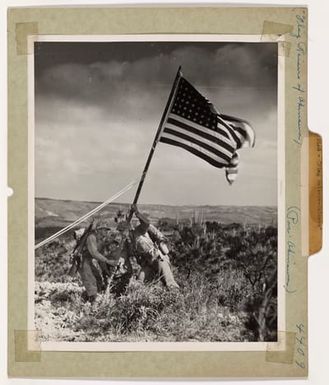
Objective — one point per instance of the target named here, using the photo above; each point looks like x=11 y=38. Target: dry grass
x=224 y=277
x=144 y=313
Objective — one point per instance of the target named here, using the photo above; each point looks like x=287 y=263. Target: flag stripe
x=230 y=130
x=243 y=127
x=201 y=154
x=222 y=132
x=241 y=134
x=232 y=170
x=240 y=131
x=209 y=142
x=238 y=134
x=207 y=133
x=197 y=142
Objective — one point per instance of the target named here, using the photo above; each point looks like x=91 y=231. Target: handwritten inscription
x=300 y=27
x=300 y=346
x=299 y=34
x=300 y=107
x=301 y=51
x=292 y=217
x=293 y=214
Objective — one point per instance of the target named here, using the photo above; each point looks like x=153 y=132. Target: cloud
x=95 y=123
x=129 y=88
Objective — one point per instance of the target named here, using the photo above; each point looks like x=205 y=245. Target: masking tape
x=276 y=29
x=282 y=352
x=27 y=346
x=22 y=31
x=273 y=32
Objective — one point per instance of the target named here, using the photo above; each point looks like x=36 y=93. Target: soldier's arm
x=105 y=268
x=156 y=234
x=144 y=221
x=92 y=248
x=126 y=253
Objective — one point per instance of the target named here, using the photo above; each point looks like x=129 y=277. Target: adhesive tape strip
x=27 y=346
x=22 y=31
x=282 y=352
x=274 y=31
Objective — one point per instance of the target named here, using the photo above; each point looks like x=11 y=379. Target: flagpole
x=157 y=137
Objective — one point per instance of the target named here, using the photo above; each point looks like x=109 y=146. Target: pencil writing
x=292 y=218
x=298 y=86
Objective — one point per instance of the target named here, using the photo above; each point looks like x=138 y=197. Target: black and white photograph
x=155 y=191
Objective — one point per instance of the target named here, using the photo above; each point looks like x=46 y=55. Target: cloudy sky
x=98 y=106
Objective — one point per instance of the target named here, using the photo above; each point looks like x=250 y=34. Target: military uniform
x=154 y=263
x=90 y=275
x=123 y=270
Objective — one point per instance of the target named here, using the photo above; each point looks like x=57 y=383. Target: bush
x=228 y=280
x=240 y=265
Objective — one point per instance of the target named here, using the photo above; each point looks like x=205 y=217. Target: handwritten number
x=300 y=364
x=300 y=340
x=300 y=328
x=301 y=352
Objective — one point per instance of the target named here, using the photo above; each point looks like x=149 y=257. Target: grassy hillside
x=228 y=292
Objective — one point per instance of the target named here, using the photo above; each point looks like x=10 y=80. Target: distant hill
x=54 y=214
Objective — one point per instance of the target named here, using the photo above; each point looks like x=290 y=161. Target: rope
x=86 y=216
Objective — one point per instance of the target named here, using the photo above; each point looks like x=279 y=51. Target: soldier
x=151 y=252
x=104 y=241
x=90 y=276
x=118 y=252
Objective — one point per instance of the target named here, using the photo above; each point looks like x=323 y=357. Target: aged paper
x=287 y=29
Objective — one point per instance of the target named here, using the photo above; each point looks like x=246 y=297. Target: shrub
x=228 y=280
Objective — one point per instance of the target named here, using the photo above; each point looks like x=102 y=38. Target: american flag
x=194 y=124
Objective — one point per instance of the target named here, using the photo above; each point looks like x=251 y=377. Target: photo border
x=280 y=161
x=273 y=21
